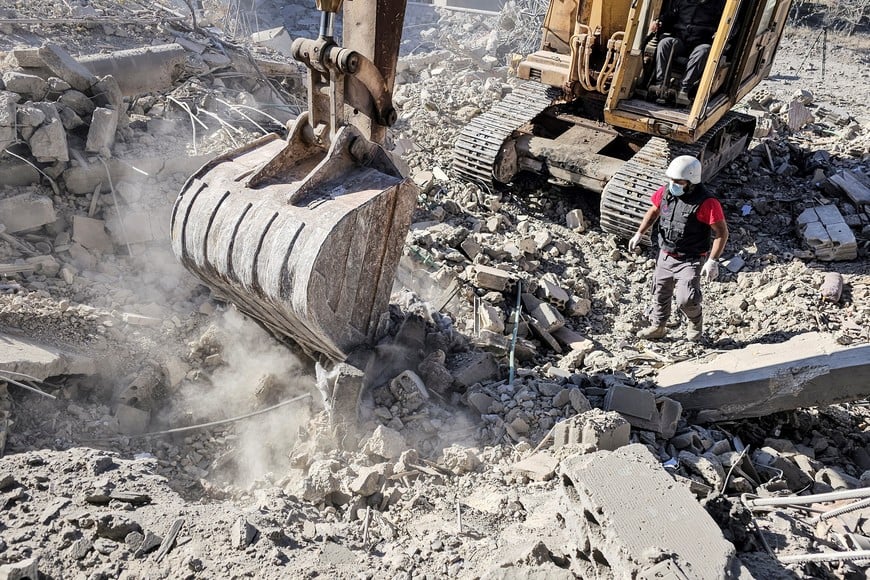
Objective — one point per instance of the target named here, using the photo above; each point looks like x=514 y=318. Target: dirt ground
x=423 y=488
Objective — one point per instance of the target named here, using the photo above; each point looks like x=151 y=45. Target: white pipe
x=860 y=492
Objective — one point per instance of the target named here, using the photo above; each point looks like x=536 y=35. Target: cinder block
x=491 y=278
x=48 y=143
x=27 y=569
x=537 y=467
x=596 y=428
x=66 y=67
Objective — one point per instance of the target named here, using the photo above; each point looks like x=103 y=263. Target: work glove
x=710 y=270
x=634 y=242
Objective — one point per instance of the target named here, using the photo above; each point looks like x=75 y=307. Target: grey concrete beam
x=809 y=370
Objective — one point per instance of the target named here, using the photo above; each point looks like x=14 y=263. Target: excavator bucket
x=305 y=235
x=305 y=240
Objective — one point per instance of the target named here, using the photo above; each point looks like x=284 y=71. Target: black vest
x=680 y=232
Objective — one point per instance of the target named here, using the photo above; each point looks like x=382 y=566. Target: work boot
x=654 y=332
x=693 y=330
x=683 y=98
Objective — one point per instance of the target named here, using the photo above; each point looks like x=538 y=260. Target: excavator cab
x=304 y=235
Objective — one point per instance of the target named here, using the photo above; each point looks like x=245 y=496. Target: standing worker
x=690 y=217
x=690 y=26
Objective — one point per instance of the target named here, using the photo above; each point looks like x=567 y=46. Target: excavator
x=588 y=114
x=304 y=234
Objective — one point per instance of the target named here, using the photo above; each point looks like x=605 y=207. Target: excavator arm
x=305 y=235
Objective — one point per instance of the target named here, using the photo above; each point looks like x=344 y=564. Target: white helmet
x=685 y=167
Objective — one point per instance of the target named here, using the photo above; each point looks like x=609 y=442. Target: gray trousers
x=694 y=68
x=684 y=276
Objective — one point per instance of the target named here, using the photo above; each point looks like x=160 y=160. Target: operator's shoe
x=653 y=332
x=655 y=90
x=693 y=330
x=683 y=99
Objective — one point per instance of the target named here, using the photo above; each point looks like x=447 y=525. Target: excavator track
x=477 y=152
x=625 y=198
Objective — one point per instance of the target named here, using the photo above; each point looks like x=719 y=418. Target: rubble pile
x=504 y=389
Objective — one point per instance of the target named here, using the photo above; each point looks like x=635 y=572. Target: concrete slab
x=25 y=212
x=91 y=234
x=41 y=361
x=626 y=509
x=808 y=370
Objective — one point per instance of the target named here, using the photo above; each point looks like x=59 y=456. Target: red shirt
x=710 y=212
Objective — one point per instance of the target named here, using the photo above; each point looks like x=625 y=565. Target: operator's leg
x=687 y=275
x=695 y=67
x=663 y=292
x=669 y=48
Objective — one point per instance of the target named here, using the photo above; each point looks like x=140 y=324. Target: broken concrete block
x=27 y=569
x=91 y=234
x=595 y=428
x=579 y=306
x=78 y=102
x=798 y=116
x=622 y=523
x=29 y=116
x=825 y=232
x=66 y=67
x=734 y=264
x=605 y=430
x=480 y=402
x=550 y=290
x=8 y=112
x=275 y=38
x=368 y=481
x=24 y=84
x=242 y=534
x=409 y=391
x=537 y=467
x=548 y=317
x=69 y=118
x=146 y=69
x=491 y=318
x=132 y=421
x=574 y=219
x=385 y=442
x=28 y=57
x=101 y=134
x=855 y=186
x=48 y=143
x=139 y=226
x=643 y=410
x=107 y=93
x=808 y=370
x=492 y=278
x=26 y=211
x=472 y=367
x=832 y=287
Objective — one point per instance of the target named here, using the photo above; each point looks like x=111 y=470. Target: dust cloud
x=252 y=372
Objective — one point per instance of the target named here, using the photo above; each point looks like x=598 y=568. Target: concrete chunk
x=66 y=67
x=622 y=523
x=132 y=421
x=643 y=410
x=101 y=135
x=808 y=370
x=27 y=569
x=275 y=38
x=25 y=84
x=91 y=234
x=600 y=430
x=853 y=186
x=48 y=143
x=537 y=467
x=26 y=211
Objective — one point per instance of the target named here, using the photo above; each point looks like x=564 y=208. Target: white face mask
x=676 y=189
